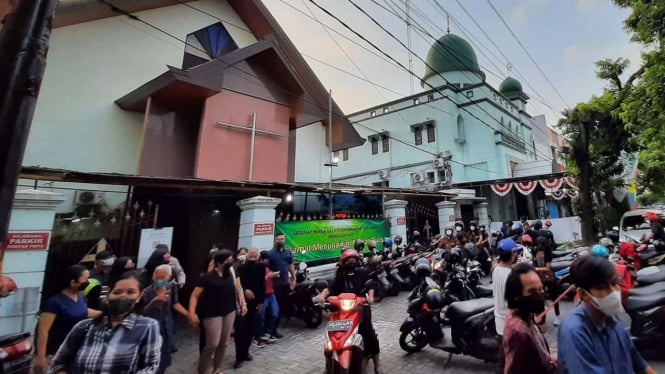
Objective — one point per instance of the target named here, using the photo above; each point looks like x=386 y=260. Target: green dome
x=509 y=86
x=451 y=53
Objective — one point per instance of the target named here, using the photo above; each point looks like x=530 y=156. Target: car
x=633 y=226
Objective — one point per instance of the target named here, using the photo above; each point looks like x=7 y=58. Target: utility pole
x=330 y=158
x=24 y=42
x=581 y=149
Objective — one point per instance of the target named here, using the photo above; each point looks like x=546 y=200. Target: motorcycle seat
x=648 y=290
x=560 y=265
x=640 y=303
x=462 y=310
x=484 y=291
x=567 y=252
x=644 y=280
x=647 y=255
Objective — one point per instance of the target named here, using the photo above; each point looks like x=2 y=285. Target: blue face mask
x=160 y=283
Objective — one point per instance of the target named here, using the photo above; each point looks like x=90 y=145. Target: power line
x=528 y=54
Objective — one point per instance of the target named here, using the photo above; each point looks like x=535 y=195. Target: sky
x=564 y=37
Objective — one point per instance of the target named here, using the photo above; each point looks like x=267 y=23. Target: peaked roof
x=264 y=26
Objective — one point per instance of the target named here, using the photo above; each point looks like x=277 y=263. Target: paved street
x=300 y=352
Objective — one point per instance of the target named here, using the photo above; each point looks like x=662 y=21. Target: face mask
x=533 y=304
x=120 y=306
x=449 y=232
x=83 y=286
x=482 y=229
x=160 y=283
x=242 y=258
x=610 y=305
x=472 y=228
x=279 y=246
x=458 y=228
x=350 y=267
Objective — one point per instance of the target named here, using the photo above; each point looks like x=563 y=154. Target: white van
x=633 y=225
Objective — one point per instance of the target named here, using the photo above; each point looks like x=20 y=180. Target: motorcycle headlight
x=347 y=305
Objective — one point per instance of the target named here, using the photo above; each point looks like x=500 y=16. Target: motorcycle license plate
x=341 y=325
x=23 y=362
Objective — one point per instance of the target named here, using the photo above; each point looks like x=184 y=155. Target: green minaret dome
x=512 y=88
x=451 y=53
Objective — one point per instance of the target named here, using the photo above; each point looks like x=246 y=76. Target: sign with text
x=27 y=241
x=401 y=221
x=321 y=240
x=264 y=228
x=149 y=240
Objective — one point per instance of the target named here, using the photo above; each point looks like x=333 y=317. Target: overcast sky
x=565 y=37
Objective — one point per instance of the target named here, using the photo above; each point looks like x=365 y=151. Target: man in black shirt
x=351 y=278
x=252 y=277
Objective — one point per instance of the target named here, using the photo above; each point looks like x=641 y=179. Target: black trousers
x=366 y=330
x=245 y=329
x=282 y=294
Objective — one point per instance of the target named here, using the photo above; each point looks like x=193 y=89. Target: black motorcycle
x=646 y=308
x=386 y=285
x=472 y=331
x=15 y=353
x=300 y=299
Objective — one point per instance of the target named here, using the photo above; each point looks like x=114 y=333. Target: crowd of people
x=119 y=319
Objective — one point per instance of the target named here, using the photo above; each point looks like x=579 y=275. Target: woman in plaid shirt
x=119 y=341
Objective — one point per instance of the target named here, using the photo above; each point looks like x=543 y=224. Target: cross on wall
x=254 y=131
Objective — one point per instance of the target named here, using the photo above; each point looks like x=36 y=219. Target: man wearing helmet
x=657 y=232
x=352 y=278
x=507 y=249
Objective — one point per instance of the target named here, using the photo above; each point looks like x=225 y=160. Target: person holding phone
x=160 y=299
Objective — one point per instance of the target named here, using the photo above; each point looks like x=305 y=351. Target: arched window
x=461 y=138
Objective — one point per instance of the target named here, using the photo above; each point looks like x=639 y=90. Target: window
x=416 y=101
x=375 y=146
x=206 y=45
x=372 y=113
x=461 y=138
x=386 y=110
x=430 y=97
x=430 y=134
x=381 y=184
x=469 y=94
x=419 y=135
x=430 y=177
x=385 y=143
x=345 y=154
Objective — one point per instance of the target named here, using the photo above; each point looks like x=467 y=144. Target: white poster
x=149 y=239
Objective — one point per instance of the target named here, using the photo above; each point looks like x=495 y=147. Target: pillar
x=257 y=222
x=480 y=211
x=395 y=211
x=446 y=214
x=28 y=240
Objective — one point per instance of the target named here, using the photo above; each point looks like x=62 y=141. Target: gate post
x=482 y=215
x=395 y=210
x=257 y=222
x=28 y=241
x=446 y=214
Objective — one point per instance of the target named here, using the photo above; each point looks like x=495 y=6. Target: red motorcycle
x=15 y=353
x=344 y=346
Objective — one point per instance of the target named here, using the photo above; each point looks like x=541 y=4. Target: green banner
x=322 y=240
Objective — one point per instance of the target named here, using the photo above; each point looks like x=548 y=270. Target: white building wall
x=312 y=154
x=77 y=125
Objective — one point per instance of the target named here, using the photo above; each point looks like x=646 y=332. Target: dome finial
x=448 y=22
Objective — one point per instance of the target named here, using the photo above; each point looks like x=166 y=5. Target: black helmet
x=460 y=225
x=449 y=230
x=435 y=299
x=537 y=225
x=359 y=245
x=398 y=239
x=423 y=269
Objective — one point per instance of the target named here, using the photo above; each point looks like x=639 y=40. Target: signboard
x=27 y=241
x=451 y=218
x=264 y=228
x=149 y=239
x=321 y=240
x=401 y=221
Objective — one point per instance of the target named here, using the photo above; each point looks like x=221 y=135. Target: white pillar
x=28 y=241
x=395 y=211
x=257 y=222
x=480 y=210
x=446 y=214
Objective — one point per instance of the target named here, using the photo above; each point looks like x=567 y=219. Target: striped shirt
x=132 y=347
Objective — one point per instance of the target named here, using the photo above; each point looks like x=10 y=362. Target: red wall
x=223 y=153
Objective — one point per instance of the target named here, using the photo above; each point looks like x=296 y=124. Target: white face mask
x=610 y=305
x=472 y=228
x=449 y=232
x=242 y=258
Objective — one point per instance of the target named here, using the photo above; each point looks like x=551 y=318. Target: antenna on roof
x=408 y=42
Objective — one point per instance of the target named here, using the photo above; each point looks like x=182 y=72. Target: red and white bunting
x=573 y=193
x=571 y=182
x=526 y=187
x=551 y=184
x=502 y=189
x=559 y=194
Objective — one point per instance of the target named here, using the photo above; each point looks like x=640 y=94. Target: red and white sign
x=401 y=221
x=27 y=241
x=264 y=228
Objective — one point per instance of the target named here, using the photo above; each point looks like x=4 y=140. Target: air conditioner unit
x=384 y=174
x=417 y=178
x=89 y=198
x=438 y=163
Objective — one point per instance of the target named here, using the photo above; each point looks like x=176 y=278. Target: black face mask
x=350 y=268
x=83 y=286
x=279 y=245
x=532 y=304
x=120 y=306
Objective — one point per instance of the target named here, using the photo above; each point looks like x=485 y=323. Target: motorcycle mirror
x=302 y=266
